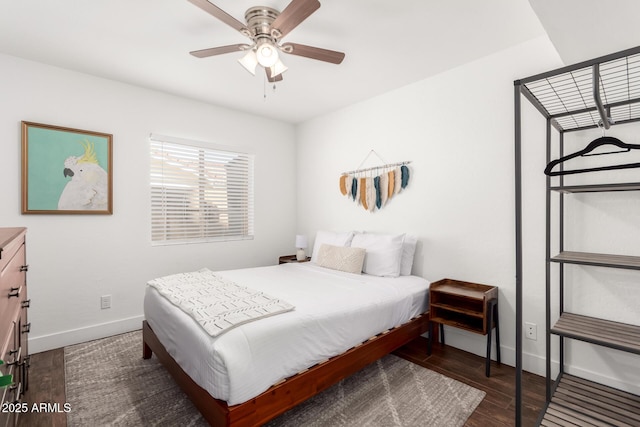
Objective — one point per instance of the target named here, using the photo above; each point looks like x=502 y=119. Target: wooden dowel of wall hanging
x=386 y=166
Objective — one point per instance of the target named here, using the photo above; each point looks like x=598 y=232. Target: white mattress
x=334 y=311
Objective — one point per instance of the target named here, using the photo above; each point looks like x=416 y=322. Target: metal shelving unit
x=598 y=260
x=597 y=188
x=610 y=334
x=579 y=402
x=593 y=94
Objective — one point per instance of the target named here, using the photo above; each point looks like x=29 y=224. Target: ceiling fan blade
x=277 y=78
x=220 y=14
x=313 y=52
x=203 y=53
x=296 y=12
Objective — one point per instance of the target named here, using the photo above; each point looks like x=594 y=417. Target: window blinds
x=199 y=193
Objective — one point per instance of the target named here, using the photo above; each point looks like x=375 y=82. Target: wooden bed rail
x=292 y=391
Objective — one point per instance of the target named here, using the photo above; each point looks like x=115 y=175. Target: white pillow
x=330 y=238
x=408 y=251
x=384 y=253
x=342 y=258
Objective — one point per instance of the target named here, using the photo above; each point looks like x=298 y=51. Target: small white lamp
x=301 y=244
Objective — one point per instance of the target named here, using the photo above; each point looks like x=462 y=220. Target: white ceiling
x=585 y=29
x=388 y=44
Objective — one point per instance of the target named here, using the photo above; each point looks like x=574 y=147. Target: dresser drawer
x=9 y=396
x=13 y=289
x=14 y=270
x=11 y=239
x=9 y=347
x=10 y=355
x=10 y=402
x=9 y=368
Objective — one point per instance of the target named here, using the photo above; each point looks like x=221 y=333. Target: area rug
x=109 y=384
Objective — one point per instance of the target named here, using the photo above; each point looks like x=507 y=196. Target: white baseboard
x=477 y=344
x=606 y=380
x=88 y=333
x=532 y=363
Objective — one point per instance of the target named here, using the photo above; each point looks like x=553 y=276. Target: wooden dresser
x=14 y=325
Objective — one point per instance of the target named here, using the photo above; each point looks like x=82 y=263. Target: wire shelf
x=568 y=98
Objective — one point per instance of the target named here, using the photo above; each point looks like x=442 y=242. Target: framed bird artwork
x=66 y=171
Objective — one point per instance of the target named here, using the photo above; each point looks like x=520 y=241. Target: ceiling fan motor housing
x=259 y=20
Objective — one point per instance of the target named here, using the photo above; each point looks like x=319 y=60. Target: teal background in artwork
x=47 y=150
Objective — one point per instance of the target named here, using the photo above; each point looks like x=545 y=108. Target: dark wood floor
x=46 y=385
x=496 y=410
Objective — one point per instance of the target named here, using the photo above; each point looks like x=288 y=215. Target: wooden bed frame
x=292 y=391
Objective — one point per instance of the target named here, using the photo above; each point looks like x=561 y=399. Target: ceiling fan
x=266 y=27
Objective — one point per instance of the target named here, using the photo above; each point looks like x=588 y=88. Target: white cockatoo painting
x=88 y=187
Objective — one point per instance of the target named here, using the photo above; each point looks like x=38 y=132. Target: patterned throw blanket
x=216 y=303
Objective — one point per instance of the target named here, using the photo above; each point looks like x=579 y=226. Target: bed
x=256 y=371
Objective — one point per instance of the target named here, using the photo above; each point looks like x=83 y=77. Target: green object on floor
x=6 y=380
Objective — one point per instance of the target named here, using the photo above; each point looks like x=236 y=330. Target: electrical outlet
x=105 y=302
x=531 y=331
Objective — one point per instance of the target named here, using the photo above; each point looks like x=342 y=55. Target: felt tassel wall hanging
x=371 y=195
x=354 y=189
x=343 y=185
x=397 y=180
x=384 y=189
x=391 y=183
x=363 y=193
x=374 y=187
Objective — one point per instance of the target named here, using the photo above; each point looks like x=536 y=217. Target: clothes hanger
x=598 y=142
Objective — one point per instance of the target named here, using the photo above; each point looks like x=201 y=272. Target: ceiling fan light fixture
x=249 y=61
x=267 y=54
x=278 y=68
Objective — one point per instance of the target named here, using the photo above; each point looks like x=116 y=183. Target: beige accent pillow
x=330 y=238
x=342 y=258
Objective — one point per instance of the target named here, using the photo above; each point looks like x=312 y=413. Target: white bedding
x=216 y=303
x=334 y=312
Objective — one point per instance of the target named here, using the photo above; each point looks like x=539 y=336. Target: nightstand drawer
x=291 y=258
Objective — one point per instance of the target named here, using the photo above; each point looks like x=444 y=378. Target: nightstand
x=291 y=258
x=469 y=306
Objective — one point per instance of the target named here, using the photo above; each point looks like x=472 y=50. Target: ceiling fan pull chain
x=264 y=89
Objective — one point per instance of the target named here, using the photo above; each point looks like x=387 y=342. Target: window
x=199 y=193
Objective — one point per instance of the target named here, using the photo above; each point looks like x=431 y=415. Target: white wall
x=457 y=129
x=74 y=259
